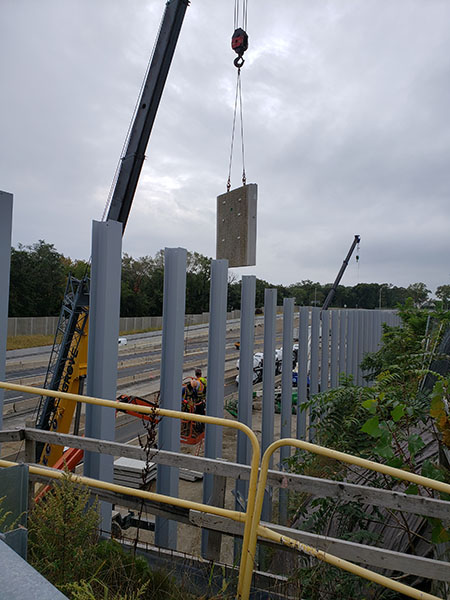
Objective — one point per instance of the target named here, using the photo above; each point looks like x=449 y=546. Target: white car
x=123 y=341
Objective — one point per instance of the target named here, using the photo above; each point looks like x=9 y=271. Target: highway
x=138 y=371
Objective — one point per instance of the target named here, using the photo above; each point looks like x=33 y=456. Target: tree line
x=39 y=275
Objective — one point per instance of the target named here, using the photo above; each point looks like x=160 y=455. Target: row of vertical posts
x=330 y=343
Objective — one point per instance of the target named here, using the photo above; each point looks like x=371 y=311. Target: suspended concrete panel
x=236 y=226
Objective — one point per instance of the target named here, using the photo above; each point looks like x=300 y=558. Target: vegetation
x=39 y=274
x=388 y=422
x=64 y=547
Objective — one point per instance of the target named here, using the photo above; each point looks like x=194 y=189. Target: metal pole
x=343 y=341
x=334 y=347
x=268 y=401
x=286 y=395
x=314 y=377
x=172 y=351
x=245 y=373
x=213 y=485
x=103 y=349
x=6 y=212
x=324 y=351
x=350 y=343
x=302 y=381
x=245 y=385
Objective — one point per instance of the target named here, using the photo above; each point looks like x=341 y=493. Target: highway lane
x=138 y=367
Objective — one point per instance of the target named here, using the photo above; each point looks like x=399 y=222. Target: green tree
x=418 y=292
x=443 y=293
x=37 y=280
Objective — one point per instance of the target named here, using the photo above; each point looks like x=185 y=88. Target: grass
x=28 y=341
x=33 y=341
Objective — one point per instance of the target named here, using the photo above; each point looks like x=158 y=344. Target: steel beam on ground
x=6 y=212
x=302 y=381
x=286 y=395
x=172 y=351
x=268 y=401
x=212 y=485
x=104 y=314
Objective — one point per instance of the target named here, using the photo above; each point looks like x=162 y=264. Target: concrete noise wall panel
x=236 y=226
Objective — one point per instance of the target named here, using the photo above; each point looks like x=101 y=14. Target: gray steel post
x=355 y=345
x=366 y=340
x=360 y=345
x=286 y=395
x=343 y=341
x=215 y=391
x=302 y=381
x=314 y=377
x=104 y=313
x=334 y=347
x=350 y=343
x=268 y=401
x=6 y=212
x=245 y=377
x=324 y=354
x=245 y=398
x=379 y=330
x=172 y=352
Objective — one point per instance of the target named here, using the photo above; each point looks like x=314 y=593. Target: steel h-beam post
x=103 y=348
x=324 y=351
x=174 y=304
x=286 y=394
x=6 y=211
x=334 y=316
x=245 y=377
x=314 y=377
x=214 y=485
x=268 y=401
x=302 y=383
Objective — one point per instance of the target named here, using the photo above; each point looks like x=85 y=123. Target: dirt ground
x=189 y=537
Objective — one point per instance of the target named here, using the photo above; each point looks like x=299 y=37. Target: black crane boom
x=134 y=156
x=331 y=293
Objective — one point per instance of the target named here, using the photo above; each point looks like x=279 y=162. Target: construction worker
x=198 y=375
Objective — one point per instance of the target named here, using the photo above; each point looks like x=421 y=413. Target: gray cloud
x=345 y=110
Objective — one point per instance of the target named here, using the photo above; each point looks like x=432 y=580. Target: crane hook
x=239 y=43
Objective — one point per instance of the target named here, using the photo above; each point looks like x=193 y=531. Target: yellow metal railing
x=267 y=533
x=251 y=518
x=234 y=515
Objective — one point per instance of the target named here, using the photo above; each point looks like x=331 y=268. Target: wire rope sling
x=236 y=209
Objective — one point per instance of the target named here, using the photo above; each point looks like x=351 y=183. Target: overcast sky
x=346 y=117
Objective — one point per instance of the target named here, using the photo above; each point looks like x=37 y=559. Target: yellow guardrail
x=175 y=414
x=267 y=533
x=251 y=518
